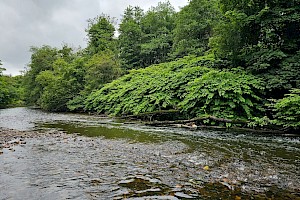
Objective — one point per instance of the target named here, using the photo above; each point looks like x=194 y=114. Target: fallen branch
x=227 y=120
x=197 y=120
x=197 y=123
x=173 y=122
x=280 y=132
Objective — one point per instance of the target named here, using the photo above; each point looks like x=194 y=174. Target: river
x=103 y=158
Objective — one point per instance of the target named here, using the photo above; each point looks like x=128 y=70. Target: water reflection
x=109 y=131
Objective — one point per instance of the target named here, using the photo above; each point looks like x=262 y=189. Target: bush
x=8 y=93
x=184 y=85
x=158 y=87
x=76 y=104
x=224 y=94
x=287 y=110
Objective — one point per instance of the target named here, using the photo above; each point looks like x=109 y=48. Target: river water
x=102 y=158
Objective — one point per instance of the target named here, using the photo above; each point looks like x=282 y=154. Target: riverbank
x=173 y=118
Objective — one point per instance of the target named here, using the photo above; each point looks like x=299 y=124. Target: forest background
x=214 y=59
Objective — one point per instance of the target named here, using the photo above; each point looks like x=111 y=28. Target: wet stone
x=183 y=195
x=95 y=182
x=136 y=184
x=143 y=186
x=176 y=189
x=125 y=182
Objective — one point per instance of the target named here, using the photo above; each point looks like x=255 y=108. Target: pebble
x=124 y=182
x=182 y=195
x=11 y=149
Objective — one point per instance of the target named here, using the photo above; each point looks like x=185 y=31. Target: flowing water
x=90 y=157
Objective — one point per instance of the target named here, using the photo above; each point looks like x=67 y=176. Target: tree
x=227 y=39
x=61 y=84
x=130 y=38
x=100 y=33
x=157 y=26
x=8 y=93
x=1 y=68
x=101 y=68
x=193 y=27
x=42 y=59
x=262 y=36
x=55 y=76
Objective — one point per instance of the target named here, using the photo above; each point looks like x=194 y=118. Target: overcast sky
x=26 y=23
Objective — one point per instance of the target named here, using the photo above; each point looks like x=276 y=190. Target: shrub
x=287 y=110
x=184 y=85
x=224 y=94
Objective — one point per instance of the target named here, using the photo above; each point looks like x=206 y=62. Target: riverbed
x=77 y=156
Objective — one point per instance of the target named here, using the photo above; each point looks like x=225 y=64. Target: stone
x=182 y=195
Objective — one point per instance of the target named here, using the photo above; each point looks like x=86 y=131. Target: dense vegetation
x=261 y=36
x=185 y=85
x=236 y=60
x=287 y=110
x=11 y=90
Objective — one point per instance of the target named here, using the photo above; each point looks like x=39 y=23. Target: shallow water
x=111 y=160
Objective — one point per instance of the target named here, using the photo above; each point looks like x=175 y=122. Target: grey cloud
x=26 y=23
